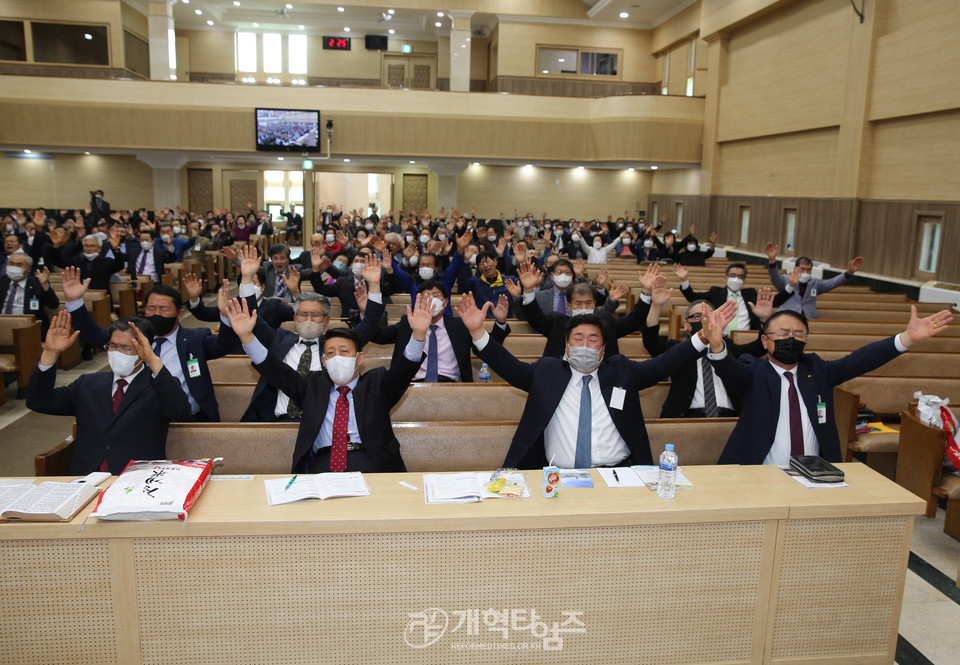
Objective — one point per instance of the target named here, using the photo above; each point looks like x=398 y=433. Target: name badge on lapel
x=813 y=292
x=34 y=304
x=821 y=411
x=193 y=367
x=616 y=398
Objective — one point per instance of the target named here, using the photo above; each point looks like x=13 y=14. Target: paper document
x=626 y=477
x=320 y=486
x=806 y=482
x=650 y=475
x=467 y=487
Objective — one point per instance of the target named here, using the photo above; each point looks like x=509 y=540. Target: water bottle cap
x=669 y=446
x=483 y=365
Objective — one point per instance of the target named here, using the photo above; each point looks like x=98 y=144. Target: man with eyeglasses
x=787 y=396
x=732 y=291
x=122 y=414
x=799 y=290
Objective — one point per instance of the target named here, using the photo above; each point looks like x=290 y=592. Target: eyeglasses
x=309 y=315
x=128 y=350
x=695 y=317
x=799 y=335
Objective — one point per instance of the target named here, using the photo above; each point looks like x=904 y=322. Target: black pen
x=616 y=477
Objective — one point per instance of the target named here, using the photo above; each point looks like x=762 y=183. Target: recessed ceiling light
x=300 y=27
x=346 y=160
x=631 y=169
x=346 y=29
x=27 y=151
x=173 y=77
x=579 y=168
x=528 y=166
x=236 y=3
x=87 y=35
x=209 y=22
x=255 y=25
x=392 y=31
x=654 y=167
x=624 y=15
x=412 y=161
x=186 y=2
x=438 y=24
x=440 y=14
x=198 y=12
x=390 y=11
x=544 y=71
x=86 y=152
x=288 y=6
x=561 y=59
x=476 y=163
x=339 y=9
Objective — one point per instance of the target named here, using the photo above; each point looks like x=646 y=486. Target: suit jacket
x=399 y=334
x=272 y=311
x=552 y=325
x=377 y=391
x=137 y=431
x=717 y=295
x=546 y=379
x=683 y=384
x=758 y=384
x=278 y=342
x=807 y=303
x=270 y=284
x=160 y=257
x=697 y=258
x=99 y=270
x=32 y=290
x=192 y=343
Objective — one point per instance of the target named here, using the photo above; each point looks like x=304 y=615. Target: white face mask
x=165 y=237
x=409 y=239
x=562 y=280
x=424 y=239
x=473 y=260
x=574 y=236
x=583 y=358
x=546 y=226
x=597 y=244
x=90 y=256
x=357 y=269
x=368 y=226
x=426 y=273
x=15 y=273
x=257 y=292
x=578 y=312
x=492 y=238
x=121 y=364
x=648 y=244
x=805 y=277
x=436 y=306
x=341 y=368
x=309 y=329
x=329 y=238
x=176 y=230
x=734 y=284
x=414 y=260
x=691 y=247
x=146 y=245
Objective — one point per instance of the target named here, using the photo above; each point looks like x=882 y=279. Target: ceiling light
x=209 y=22
x=86 y=152
x=347 y=160
x=392 y=31
x=198 y=12
x=27 y=151
x=631 y=169
x=654 y=167
x=236 y=3
x=440 y=14
x=186 y=2
x=476 y=163
x=300 y=27
x=279 y=159
x=288 y=6
x=87 y=35
x=579 y=168
x=173 y=77
x=528 y=166
x=438 y=24
x=339 y=9
x=255 y=25
x=390 y=11
x=412 y=161
x=561 y=59
x=346 y=29
x=545 y=71
x=624 y=15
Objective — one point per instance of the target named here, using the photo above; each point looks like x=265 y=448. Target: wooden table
x=749 y=567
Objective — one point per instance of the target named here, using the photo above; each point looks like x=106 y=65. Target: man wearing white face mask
x=122 y=414
x=144 y=257
x=24 y=293
x=448 y=343
x=744 y=299
x=799 y=291
x=346 y=415
x=583 y=410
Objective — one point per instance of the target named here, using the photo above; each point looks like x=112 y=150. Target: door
x=414 y=192
x=242 y=193
x=409 y=71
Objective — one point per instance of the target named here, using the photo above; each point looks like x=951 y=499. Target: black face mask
x=789 y=351
x=695 y=327
x=162 y=325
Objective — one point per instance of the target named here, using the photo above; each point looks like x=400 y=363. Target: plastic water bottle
x=484 y=376
x=667 y=483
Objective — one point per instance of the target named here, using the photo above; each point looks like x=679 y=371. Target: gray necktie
x=709 y=391
x=584 y=435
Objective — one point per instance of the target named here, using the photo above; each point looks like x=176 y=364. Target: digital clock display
x=336 y=43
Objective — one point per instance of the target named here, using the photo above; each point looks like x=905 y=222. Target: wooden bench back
x=233 y=400
x=920 y=458
x=232 y=369
x=245 y=448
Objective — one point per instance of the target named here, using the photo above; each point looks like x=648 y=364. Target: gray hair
x=93 y=236
x=29 y=258
x=694 y=304
x=312 y=296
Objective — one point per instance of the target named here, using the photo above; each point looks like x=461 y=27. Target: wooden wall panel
x=677 y=181
x=696 y=212
x=210 y=51
x=200 y=190
x=719 y=16
x=679 y=27
x=799 y=164
x=678 y=68
x=914 y=158
x=591 y=193
x=134 y=21
x=66 y=181
x=787 y=72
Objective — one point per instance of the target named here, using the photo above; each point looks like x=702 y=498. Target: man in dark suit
x=276 y=274
x=184 y=351
x=346 y=415
x=695 y=390
x=448 y=343
x=583 y=411
x=22 y=292
x=95 y=265
x=735 y=273
x=144 y=257
x=787 y=396
x=123 y=414
x=344 y=288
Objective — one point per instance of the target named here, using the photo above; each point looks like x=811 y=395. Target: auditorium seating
x=20 y=349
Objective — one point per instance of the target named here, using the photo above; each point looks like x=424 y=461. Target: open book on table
x=46 y=502
x=319 y=486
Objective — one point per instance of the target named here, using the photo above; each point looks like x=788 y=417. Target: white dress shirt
x=19 y=289
x=292 y=359
x=446 y=358
x=743 y=310
x=780 y=450
x=698 y=401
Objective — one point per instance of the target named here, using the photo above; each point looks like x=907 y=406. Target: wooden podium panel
x=749 y=567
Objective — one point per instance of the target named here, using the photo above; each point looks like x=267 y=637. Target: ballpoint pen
x=616 y=477
x=290 y=483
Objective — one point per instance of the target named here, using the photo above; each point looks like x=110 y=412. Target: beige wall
x=586 y=194
x=134 y=21
x=90 y=12
x=676 y=181
x=211 y=52
x=677 y=28
x=66 y=181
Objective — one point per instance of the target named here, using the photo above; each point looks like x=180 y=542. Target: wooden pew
x=879 y=448
x=920 y=469
x=232 y=369
x=853 y=340
x=245 y=448
x=20 y=349
x=233 y=400
x=888 y=395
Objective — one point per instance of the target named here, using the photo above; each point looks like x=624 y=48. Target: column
x=166 y=178
x=447 y=184
x=460 y=52
x=163 y=43
x=716 y=67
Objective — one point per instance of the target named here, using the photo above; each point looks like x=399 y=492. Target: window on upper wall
x=665 y=76
x=246 y=52
x=272 y=53
x=790 y=217
x=679 y=211
x=13 y=43
x=297 y=54
x=691 y=64
x=578 y=62
x=136 y=54
x=930 y=228
x=70 y=43
x=744 y=225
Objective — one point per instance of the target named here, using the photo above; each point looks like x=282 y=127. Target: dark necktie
x=303 y=367
x=562 y=305
x=710 y=407
x=341 y=437
x=796 y=426
x=8 y=308
x=433 y=361
x=158 y=344
x=280 y=290
x=143 y=261
x=118 y=394
x=584 y=435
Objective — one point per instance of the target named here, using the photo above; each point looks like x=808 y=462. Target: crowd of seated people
x=451 y=271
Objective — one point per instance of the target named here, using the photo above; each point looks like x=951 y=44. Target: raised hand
x=229 y=253
x=410 y=250
x=371 y=270
x=602 y=277
x=713 y=327
x=502 y=309
x=43 y=276
x=764 y=306
x=463 y=241
x=713 y=237
x=648 y=276
x=192 y=283
x=73 y=288
x=145 y=351
x=360 y=293
x=60 y=335
x=919 y=329
x=681 y=272
x=420 y=317
x=316 y=259
x=578 y=268
x=771 y=251
x=378 y=244
x=693 y=230
x=501 y=246
x=342 y=238
x=854 y=264
x=249 y=263
x=618 y=293
x=794 y=277
x=727 y=312
x=660 y=295
x=242 y=320
x=513 y=287
x=472 y=317
x=528 y=276
x=292 y=280
x=223 y=298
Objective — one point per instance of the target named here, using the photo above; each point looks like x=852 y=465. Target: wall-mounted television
x=288 y=130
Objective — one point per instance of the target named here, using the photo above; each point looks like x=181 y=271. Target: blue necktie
x=8 y=309
x=562 y=305
x=584 y=439
x=157 y=344
x=432 y=360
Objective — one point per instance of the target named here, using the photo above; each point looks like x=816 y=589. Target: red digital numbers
x=337 y=43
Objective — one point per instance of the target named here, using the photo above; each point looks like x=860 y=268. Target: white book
x=466 y=487
x=318 y=486
x=46 y=502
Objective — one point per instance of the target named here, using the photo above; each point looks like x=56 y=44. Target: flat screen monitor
x=288 y=130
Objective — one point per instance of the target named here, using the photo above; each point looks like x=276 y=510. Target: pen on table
x=616 y=477
x=291 y=482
